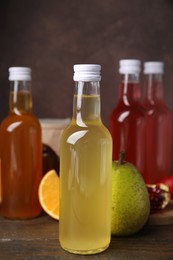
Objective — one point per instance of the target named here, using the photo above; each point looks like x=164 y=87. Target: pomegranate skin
x=168 y=180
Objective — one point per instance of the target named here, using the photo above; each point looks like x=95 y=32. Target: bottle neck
x=86 y=103
x=129 y=90
x=20 y=100
x=153 y=87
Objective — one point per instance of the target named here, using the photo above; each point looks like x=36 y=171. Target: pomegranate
x=168 y=180
x=159 y=196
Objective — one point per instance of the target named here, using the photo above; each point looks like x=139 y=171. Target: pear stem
x=121 y=158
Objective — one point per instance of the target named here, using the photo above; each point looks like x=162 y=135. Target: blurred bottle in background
x=159 y=124
x=21 y=150
x=127 y=120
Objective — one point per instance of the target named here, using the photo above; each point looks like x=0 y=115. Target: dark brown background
x=52 y=35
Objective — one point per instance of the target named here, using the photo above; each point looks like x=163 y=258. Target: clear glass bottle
x=127 y=120
x=159 y=123
x=85 y=170
x=21 y=150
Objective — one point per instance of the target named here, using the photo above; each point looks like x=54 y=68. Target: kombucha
x=85 y=178
x=128 y=120
x=21 y=158
x=159 y=124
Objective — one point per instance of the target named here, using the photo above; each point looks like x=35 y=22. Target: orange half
x=48 y=194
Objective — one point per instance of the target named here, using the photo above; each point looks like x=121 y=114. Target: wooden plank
x=38 y=239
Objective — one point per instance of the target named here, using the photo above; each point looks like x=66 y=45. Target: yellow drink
x=85 y=180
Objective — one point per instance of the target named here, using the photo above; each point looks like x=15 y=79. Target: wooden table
x=38 y=239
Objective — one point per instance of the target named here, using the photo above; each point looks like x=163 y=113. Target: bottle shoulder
x=136 y=109
x=95 y=130
x=157 y=108
x=24 y=120
x=126 y=104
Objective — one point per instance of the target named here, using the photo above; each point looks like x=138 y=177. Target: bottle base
x=85 y=252
x=21 y=216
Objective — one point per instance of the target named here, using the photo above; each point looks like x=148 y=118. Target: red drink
x=159 y=124
x=127 y=121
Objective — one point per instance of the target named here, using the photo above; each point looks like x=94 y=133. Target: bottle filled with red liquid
x=127 y=120
x=159 y=124
x=21 y=150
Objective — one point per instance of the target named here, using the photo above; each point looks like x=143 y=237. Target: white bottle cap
x=129 y=66
x=20 y=73
x=87 y=72
x=153 y=67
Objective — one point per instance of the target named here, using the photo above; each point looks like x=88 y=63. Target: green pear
x=130 y=199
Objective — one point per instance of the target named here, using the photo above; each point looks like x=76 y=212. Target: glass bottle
x=127 y=120
x=159 y=123
x=21 y=150
x=85 y=170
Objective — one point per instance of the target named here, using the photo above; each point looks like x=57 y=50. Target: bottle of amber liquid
x=85 y=170
x=128 y=120
x=159 y=123
x=21 y=150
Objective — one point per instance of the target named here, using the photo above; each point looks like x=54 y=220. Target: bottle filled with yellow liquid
x=85 y=170
x=21 y=150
